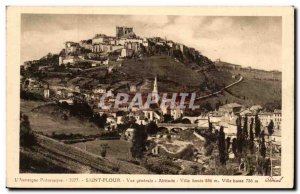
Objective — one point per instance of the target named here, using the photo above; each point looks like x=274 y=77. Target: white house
x=46 y=93
x=265 y=118
x=126 y=53
x=277 y=119
x=112 y=122
x=99 y=39
x=68 y=60
x=68 y=101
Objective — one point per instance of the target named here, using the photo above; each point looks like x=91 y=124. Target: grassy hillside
x=47 y=118
x=254 y=91
x=164 y=67
x=119 y=149
x=250 y=92
x=40 y=160
x=174 y=75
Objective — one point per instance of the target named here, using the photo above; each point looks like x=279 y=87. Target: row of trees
x=249 y=144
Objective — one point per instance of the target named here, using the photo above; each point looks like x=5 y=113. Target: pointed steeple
x=155 y=89
x=154 y=94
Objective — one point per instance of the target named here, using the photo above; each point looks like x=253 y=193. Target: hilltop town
x=239 y=119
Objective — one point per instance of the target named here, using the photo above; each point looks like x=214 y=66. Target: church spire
x=154 y=95
x=155 y=90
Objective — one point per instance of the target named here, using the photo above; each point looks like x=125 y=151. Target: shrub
x=161 y=165
x=26 y=95
x=27 y=137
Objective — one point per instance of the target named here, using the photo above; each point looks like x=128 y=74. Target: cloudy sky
x=248 y=41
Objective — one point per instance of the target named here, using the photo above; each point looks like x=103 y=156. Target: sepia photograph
x=143 y=94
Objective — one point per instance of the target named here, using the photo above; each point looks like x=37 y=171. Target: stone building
x=87 y=44
x=99 y=39
x=126 y=53
x=71 y=47
x=68 y=60
x=99 y=47
x=277 y=119
x=122 y=30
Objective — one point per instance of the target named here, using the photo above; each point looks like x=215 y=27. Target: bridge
x=195 y=120
x=176 y=126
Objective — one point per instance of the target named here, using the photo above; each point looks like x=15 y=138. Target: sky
x=247 y=41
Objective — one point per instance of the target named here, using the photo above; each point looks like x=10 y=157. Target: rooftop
x=277 y=111
x=100 y=36
x=130 y=130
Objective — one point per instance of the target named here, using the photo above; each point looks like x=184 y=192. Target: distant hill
x=224 y=64
x=248 y=71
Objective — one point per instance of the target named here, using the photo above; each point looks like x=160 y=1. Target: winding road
x=218 y=92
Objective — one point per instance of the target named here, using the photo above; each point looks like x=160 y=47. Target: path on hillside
x=94 y=68
x=218 y=92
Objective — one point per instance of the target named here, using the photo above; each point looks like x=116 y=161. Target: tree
x=259 y=165
x=271 y=127
x=263 y=148
x=228 y=144
x=100 y=121
x=271 y=106
x=65 y=117
x=245 y=128
x=222 y=146
x=257 y=126
x=208 y=106
x=245 y=134
x=218 y=104
x=169 y=138
x=64 y=105
x=103 y=150
x=167 y=118
x=210 y=127
x=234 y=147
x=251 y=137
x=139 y=142
x=250 y=161
x=27 y=138
x=239 y=136
x=128 y=120
x=81 y=110
x=209 y=147
x=216 y=134
x=186 y=121
x=267 y=167
x=152 y=128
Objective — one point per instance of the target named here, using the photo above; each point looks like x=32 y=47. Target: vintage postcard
x=150 y=97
